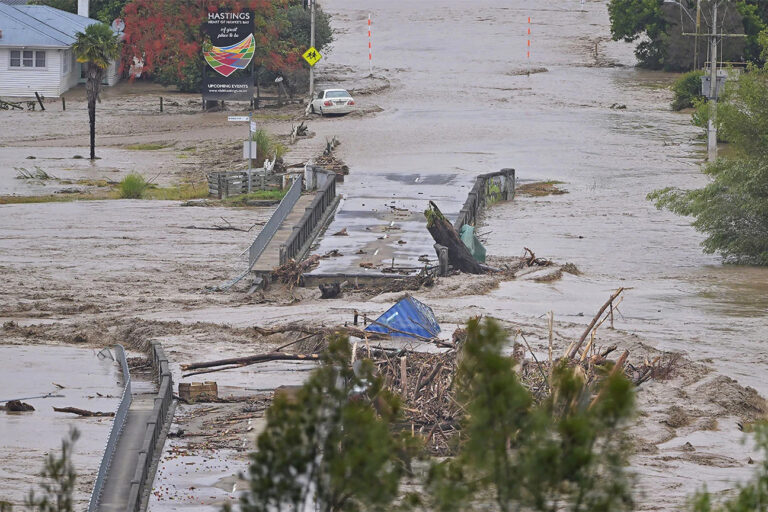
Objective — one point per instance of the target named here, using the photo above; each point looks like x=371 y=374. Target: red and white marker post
x=529 y=37
x=370 y=47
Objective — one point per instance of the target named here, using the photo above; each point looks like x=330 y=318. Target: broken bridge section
x=381 y=230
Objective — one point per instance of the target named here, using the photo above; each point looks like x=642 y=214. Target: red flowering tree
x=167 y=36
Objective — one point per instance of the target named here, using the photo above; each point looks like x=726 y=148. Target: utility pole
x=714 y=38
x=712 y=126
x=312 y=45
x=696 y=39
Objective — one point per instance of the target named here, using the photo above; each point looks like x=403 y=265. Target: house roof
x=39 y=26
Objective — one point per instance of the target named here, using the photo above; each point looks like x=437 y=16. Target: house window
x=27 y=59
x=66 y=62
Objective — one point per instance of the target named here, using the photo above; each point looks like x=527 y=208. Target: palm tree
x=96 y=48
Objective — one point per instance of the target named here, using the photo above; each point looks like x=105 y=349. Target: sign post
x=248 y=149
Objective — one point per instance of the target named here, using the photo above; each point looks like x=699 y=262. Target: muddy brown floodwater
x=75 y=377
x=453 y=96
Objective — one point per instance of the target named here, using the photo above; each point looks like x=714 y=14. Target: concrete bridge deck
x=270 y=258
x=114 y=496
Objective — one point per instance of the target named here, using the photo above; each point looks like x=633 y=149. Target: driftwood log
x=82 y=412
x=444 y=234
x=575 y=348
x=258 y=358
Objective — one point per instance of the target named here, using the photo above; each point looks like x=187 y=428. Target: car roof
x=334 y=90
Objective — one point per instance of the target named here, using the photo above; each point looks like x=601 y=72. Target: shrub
x=133 y=186
x=267 y=146
x=687 y=88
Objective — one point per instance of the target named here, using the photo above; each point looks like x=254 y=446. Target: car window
x=336 y=94
x=320 y=94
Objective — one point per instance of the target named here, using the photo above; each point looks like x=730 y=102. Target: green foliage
x=331 y=445
x=752 y=496
x=103 y=10
x=633 y=19
x=687 y=88
x=266 y=146
x=133 y=186
x=96 y=46
x=562 y=452
x=297 y=28
x=733 y=208
x=754 y=22
x=64 y=5
x=58 y=486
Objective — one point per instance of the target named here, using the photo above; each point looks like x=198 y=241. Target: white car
x=332 y=101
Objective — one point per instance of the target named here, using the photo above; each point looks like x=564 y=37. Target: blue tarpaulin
x=408 y=316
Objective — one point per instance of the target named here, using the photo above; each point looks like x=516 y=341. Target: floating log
x=258 y=358
x=82 y=412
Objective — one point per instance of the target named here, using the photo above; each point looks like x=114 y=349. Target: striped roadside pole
x=370 y=47
x=529 y=37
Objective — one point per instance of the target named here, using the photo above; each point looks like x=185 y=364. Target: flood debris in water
x=541 y=188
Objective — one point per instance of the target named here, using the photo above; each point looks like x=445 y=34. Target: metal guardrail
x=272 y=225
x=488 y=189
x=114 y=433
x=313 y=214
x=163 y=402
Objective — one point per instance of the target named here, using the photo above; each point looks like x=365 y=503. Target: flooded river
x=461 y=104
x=73 y=377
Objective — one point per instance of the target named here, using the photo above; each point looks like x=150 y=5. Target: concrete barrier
x=488 y=189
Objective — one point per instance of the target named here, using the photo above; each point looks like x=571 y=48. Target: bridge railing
x=273 y=224
x=114 y=434
x=488 y=189
x=154 y=427
x=313 y=215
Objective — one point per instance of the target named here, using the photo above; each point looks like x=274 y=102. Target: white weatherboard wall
x=23 y=82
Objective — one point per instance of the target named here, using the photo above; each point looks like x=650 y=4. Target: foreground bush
x=133 y=186
x=564 y=452
x=687 y=88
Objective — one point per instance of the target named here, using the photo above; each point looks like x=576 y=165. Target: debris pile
x=425 y=383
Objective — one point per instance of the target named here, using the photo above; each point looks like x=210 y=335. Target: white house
x=36 y=51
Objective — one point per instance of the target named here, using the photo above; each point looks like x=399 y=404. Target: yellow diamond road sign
x=312 y=56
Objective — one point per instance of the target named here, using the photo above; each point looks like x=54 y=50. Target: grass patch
x=147 y=147
x=133 y=186
x=541 y=188
x=38 y=173
x=57 y=198
x=242 y=199
x=266 y=147
x=182 y=192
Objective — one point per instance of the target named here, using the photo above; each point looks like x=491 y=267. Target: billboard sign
x=229 y=47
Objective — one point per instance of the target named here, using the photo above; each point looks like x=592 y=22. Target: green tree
x=330 y=446
x=58 y=483
x=634 y=19
x=733 y=208
x=752 y=496
x=564 y=452
x=97 y=47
